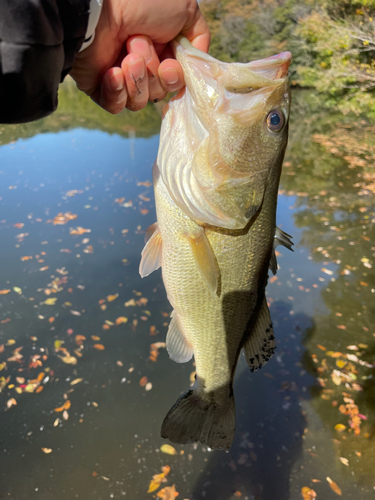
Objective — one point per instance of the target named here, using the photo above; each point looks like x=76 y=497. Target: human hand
x=130 y=61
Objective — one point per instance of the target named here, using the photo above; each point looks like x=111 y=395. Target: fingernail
x=116 y=83
x=137 y=69
x=170 y=76
x=140 y=46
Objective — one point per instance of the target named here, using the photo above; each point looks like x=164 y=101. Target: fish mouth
x=238 y=78
x=274 y=67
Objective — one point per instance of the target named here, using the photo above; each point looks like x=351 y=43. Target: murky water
x=78 y=321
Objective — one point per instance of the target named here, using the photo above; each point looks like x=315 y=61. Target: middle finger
x=135 y=73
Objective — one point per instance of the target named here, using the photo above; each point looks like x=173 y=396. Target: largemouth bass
x=216 y=178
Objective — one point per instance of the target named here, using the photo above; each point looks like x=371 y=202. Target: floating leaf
x=340 y=427
x=111 y=298
x=76 y=381
x=334 y=486
x=10 y=342
x=4 y=292
x=69 y=360
x=65 y=415
x=308 y=493
x=56 y=422
x=345 y=461
x=17 y=290
x=158 y=478
x=143 y=381
x=168 y=493
x=168 y=449
x=121 y=319
x=46 y=450
x=11 y=402
x=100 y=347
x=51 y=301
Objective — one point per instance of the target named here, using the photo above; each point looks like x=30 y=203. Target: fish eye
x=275 y=120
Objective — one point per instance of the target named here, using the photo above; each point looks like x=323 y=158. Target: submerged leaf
x=334 y=486
x=167 y=448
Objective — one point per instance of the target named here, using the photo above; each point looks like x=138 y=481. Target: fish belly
x=213 y=323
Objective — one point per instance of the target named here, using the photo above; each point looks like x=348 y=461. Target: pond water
x=82 y=401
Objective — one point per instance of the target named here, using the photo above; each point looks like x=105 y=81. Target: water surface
x=105 y=440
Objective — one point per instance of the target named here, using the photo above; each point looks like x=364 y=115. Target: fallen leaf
x=56 y=422
x=168 y=493
x=100 y=347
x=17 y=289
x=46 y=450
x=340 y=427
x=76 y=381
x=111 y=298
x=69 y=360
x=334 y=486
x=168 y=449
x=158 y=478
x=121 y=319
x=345 y=461
x=143 y=381
x=20 y=380
x=308 y=493
x=65 y=415
x=11 y=402
x=50 y=302
x=4 y=292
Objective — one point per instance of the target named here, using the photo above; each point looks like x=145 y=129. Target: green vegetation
x=76 y=110
x=332 y=42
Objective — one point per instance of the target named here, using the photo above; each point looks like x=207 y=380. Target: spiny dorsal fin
x=281 y=238
x=260 y=345
x=178 y=347
x=152 y=252
x=205 y=259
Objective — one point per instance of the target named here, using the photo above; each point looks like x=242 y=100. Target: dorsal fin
x=205 y=259
x=152 y=251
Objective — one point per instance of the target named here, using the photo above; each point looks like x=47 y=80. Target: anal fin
x=260 y=345
x=178 y=347
x=281 y=238
x=152 y=251
x=205 y=259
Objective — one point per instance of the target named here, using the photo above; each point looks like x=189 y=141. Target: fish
x=216 y=177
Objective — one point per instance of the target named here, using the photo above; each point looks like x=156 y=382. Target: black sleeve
x=38 y=42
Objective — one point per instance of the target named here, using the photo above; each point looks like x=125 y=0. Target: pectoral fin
x=205 y=259
x=152 y=251
x=178 y=347
x=260 y=345
x=281 y=238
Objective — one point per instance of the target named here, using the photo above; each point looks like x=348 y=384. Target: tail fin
x=192 y=419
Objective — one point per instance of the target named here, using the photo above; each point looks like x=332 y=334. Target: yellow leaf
x=76 y=381
x=121 y=319
x=69 y=360
x=17 y=290
x=340 y=427
x=30 y=387
x=110 y=298
x=308 y=493
x=58 y=343
x=50 y=301
x=47 y=450
x=11 y=342
x=167 y=448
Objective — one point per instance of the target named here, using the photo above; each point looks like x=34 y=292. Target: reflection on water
x=104 y=430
